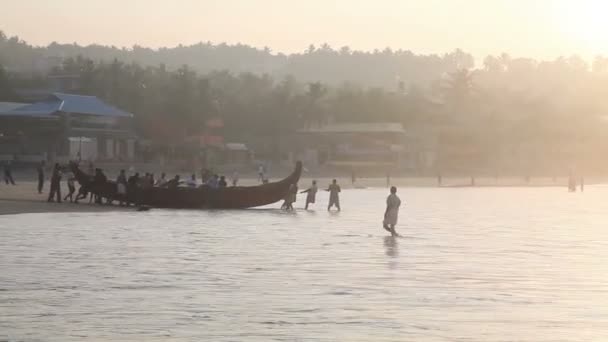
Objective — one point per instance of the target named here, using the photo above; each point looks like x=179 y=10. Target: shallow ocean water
x=484 y=264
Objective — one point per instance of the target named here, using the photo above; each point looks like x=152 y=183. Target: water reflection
x=391 y=246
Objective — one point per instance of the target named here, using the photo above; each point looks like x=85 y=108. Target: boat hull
x=238 y=197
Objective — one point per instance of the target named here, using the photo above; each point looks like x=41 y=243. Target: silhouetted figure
x=290 y=198
x=391 y=215
x=55 y=184
x=582 y=184
x=83 y=192
x=235 y=178
x=121 y=186
x=334 y=195
x=222 y=182
x=71 y=188
x=162 y=180
x=174 y=183
x=8 y=173
x=191 y=183
x=571 y=183
x=353 y=178
x=261 y=173
x=99 y=180
x=40 y=172
x=214 y=182
x=311 y=194
x=472 y=181
x=439 y=180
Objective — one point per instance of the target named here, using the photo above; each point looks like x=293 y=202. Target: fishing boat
x=203 y=197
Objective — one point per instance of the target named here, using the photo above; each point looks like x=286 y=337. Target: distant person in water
x=571 y=183
x=391 y=215
x=40 y=172
x=55 y=184
x=311 y=194
x=334 y=195
x=8 y=174
x=71 y=188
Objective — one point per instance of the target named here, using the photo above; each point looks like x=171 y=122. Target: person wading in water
x=334 y=195
x=391 y=214
x=311 y=194
x=290 y=198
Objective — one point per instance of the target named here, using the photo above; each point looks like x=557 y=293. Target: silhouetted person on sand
x=334 y=195
x=40 y=172
x=83 y=192
x=71 y=188
x=311 y=194
x=8 y=174
x=55 y=184
x=99 y=180
x=391 y=215
x=121 y=186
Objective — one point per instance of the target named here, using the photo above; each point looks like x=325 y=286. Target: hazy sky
x=534 y=28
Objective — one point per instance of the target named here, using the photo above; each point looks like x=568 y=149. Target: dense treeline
x=507 y=109
x=377 y=68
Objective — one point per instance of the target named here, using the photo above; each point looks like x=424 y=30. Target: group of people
x=124 y=183
x=55 y=190
x=311 y=195
x=391 y=214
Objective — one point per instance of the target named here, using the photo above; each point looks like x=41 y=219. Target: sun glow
x=585 y=21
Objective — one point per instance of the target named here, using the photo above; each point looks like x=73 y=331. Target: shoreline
x=24 y=199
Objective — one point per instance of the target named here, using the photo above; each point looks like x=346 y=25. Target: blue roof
x=67 y=103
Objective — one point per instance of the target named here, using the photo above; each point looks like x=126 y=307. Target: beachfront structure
x=384 y=145
x=63 y=127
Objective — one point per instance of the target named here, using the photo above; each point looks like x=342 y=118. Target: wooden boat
x=203 y=197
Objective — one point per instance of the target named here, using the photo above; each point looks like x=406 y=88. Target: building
x=63 y=127
x=357 y=145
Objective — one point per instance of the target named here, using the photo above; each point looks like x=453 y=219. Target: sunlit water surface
x=473 y=265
